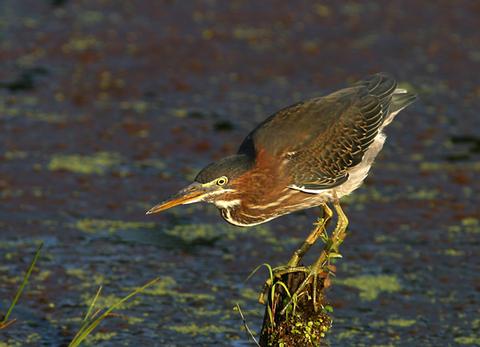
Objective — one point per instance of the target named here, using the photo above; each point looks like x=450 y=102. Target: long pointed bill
x=192 y=193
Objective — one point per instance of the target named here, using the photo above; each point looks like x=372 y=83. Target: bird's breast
x=250 y=213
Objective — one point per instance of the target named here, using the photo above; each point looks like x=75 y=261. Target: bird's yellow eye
x=222 y=181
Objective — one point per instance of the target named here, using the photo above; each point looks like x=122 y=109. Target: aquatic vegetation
x=454 y=252
x=193 y=329
x=371 y=286
x=91 y=17
x=97 y=163
x=10 y=344
x=467 y=225
x=394 y=322
x=81 y=44
x=138 y=106
x=111 y=226
x=94 y=316
x=206 y=233
x=250 y=33
x=401 y=323
x=165 y=286
x=100 y=336
x=196 y=232
x=11 y=155
x=473 y=340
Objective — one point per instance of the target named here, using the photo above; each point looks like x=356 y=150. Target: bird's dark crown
x=231 y=167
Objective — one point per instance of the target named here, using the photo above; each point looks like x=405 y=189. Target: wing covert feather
x=322 y=138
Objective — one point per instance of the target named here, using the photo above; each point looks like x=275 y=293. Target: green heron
x=308 y=154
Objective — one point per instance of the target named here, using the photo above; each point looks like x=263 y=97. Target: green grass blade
x=92 y=304
x=22 y=286
x=270 y=271
x=89 y=315
x=90 y=325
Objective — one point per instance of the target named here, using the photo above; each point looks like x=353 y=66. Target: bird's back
x=322 y=139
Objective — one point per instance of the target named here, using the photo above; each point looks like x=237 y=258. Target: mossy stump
x=296 y=312
x=304 y=322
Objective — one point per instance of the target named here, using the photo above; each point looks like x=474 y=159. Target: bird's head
x=213 y=184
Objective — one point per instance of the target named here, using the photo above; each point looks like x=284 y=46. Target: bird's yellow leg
x=329 y=252
x=320 y=228
x=292 y=265
x=332 y=244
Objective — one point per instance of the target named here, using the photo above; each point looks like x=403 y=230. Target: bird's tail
x=401 y=98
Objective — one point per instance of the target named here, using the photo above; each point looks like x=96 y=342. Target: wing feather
x=322 y=138
x=347 y=140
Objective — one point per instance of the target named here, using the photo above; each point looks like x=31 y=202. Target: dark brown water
x=108 y=106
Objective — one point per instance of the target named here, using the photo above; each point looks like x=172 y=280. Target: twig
x=237 y=306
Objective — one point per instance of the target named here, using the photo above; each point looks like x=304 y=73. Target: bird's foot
x=310 y=281
x=317 y=279
x=276 y=276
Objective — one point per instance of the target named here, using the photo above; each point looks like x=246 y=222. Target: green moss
x=249 y=33
x=249 y=293
x=197 y=297
x=166 y=287
x=11 y=343
x=322 y=10
x=88 y=279
x=152 y=163
x=33 y=338
x=111 y=226
x=179 y=112
x=454 y=252
x=90 y=17
x=401 y=323
x=100 y=336
x=47 y=117
x=443 y=166
x=81 y=44
x=347 y=335
x=19 y=111
x=423 y=194
x=163 y=287
x=468 y=340
x=371 y=286
x=468 y=225
x=210 y=233
x=108 y=300
x=10 y=155
x=97 y=163
x=194 y=330
x=203 y=312
x=133 y=320
x=194 y=232
x=43 y=275
x=136 y=106
x=369 y=195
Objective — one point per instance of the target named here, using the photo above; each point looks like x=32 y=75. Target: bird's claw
x=313 y=275
x=278 y=272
